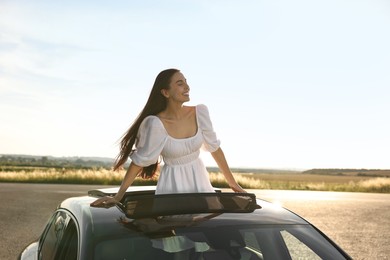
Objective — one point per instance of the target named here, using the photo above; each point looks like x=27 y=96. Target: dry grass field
x=274 y=181
x=314 y=182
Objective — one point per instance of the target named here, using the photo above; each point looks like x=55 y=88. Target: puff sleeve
x=151 y=139
x=210 y=141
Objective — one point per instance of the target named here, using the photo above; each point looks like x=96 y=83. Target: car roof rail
x=134 y=190
x=111 y=192
x=152 y=206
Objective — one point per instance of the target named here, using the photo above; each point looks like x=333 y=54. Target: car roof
x=104 y=221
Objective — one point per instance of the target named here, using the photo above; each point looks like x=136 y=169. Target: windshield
x=228 y=242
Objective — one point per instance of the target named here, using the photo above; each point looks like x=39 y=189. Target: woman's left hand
x=237 y=188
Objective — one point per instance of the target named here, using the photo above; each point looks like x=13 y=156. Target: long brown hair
x=155 y=104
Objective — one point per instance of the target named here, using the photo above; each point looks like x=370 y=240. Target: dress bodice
x=182 y=151
x=153 y=140
x=183 y=170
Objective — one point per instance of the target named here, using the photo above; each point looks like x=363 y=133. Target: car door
x=60 y=238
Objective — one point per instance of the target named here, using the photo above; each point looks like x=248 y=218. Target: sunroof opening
x=150 y=205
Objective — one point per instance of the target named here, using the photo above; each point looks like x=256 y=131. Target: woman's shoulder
x=202 y=109
x=198 y=111
x=201 y=106
x=203 y=116
x=198 y=106
x=151 y=121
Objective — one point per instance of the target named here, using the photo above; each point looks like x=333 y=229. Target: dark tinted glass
x=52 y=235
x=238 y=242
x=143 y=206
x=60 y=239
x=67 y=249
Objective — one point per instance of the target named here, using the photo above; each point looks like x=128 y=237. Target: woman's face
x=179 y=90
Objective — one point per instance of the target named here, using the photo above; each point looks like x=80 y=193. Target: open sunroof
x=150 y=205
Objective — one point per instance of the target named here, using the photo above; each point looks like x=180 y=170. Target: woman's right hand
x=105 y=202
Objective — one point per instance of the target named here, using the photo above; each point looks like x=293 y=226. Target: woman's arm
x=109 y=201
x=220 y=159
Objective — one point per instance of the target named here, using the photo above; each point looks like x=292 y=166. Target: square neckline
x=186 y=138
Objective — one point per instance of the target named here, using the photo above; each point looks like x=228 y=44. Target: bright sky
x=289 y=84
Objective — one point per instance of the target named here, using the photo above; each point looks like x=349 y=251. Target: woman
x=165 y=127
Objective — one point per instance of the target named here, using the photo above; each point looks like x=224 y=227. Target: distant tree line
x=350 y=172
x=54 y=162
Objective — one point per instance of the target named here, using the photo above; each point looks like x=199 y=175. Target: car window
x=67 y=248
x=51 y=236
x=298 y=249
x=237 y=242
x=59 y=238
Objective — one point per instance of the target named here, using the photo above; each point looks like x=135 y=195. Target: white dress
x=183 y=170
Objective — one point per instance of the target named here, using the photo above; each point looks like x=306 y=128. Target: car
x=220 y=225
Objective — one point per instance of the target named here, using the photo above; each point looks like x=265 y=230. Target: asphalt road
x=358 y=222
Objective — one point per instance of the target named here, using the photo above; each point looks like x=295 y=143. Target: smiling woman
x=167 y=128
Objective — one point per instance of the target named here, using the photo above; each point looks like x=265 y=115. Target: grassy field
x=273 y=180
x=320 y=182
